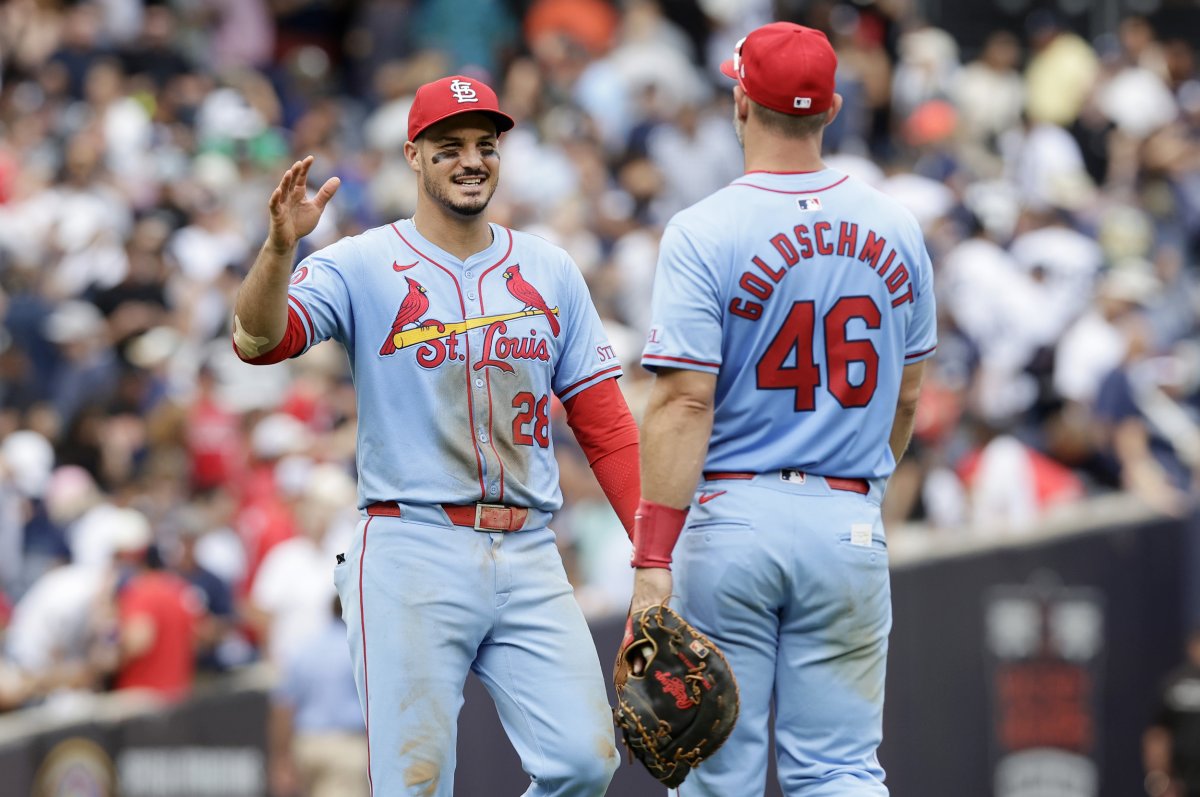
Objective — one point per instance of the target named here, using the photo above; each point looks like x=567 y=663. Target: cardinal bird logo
x=529 y=296
x=415 y=304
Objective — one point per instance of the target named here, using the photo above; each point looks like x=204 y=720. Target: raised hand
x=293 y=214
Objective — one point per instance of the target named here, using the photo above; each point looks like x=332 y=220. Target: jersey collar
x=490 y=254
x=792 y=182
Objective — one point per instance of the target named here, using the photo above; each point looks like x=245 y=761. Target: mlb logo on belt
x=809 y=203
x=792 y=476
x=462 y=91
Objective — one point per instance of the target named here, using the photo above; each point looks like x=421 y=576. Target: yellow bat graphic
x=433 y=331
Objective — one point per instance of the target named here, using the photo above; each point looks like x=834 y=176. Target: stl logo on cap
x=444 y=98
x=462 y=91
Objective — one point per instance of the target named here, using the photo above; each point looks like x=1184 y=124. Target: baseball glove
x=684 y=704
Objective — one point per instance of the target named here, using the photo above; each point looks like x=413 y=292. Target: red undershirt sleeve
x=608 y=435
x=294 y=338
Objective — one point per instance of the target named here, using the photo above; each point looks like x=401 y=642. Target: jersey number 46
x=804 y=377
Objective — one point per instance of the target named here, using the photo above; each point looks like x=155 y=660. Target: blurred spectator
x=242 y=32
x=80 y=45
x=1061 y=72
x=155 y=53
x=1010 y=485
x=30 y=536
x=591 y=23
x=474 y=34
x=1045 y=165
x=1096 y=342
x=219 y=647
x=156 y=617
x=1000 y=310
x=928 y=69
x=1171 y=745
x=1133 y=93
x=55 y=631
x=264 y=517
x=1149 y=408
x=990 y=96
x=87 y=370
x=318 y=740
x=295 y=581
x=213 y=436
x=14 y=685
x=76 y=504
x=1062 y=262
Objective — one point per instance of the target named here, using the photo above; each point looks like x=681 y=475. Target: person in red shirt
x=157 y=617
x=214 y=438
x=265 y=517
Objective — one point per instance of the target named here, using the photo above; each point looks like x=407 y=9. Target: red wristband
x=655 y=530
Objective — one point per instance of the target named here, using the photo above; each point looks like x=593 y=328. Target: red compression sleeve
x=656 y=529
x=294 y=338
x=608 y=435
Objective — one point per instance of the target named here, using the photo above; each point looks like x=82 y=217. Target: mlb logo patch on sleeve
x=809 y=203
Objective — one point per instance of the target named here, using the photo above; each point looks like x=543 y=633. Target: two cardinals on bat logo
x=411 y=328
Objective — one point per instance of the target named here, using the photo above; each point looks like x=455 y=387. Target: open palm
x=293 y=214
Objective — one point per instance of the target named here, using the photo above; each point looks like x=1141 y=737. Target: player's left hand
x=651 y=587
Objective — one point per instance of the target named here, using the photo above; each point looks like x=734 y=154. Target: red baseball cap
x=785 y=67
x=451 y=96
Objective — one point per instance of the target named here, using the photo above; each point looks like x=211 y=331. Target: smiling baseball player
x=460 y=333
x=792 y=313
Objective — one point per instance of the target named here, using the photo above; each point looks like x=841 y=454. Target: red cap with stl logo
x=785 y=67
x=451 y=96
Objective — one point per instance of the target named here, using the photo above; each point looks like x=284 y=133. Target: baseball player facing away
x=792 y=312
x=459 y=334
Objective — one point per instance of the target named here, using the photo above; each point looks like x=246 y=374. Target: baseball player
x=460 y=333
x=792 y=313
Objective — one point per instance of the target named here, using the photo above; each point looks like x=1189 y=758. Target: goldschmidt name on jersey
x=802 y=244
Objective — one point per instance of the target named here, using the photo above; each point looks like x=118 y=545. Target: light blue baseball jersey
x=455 y=362
x=807 y=294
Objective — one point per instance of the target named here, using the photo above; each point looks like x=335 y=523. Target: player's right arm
x=261 y=310
x=675 y=433
x=906 y=408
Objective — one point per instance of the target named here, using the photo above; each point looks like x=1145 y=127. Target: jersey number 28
x=532 y=424
x=804 y=377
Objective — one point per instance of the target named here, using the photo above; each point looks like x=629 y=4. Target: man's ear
x=410 y=154
x=834 y=109
x=741 y=103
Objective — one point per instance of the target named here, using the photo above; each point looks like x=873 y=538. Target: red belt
x=835 y=483
x=481 y=517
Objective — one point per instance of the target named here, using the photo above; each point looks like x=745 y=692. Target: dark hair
x=790 y=125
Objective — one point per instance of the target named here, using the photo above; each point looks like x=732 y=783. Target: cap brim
x=727 y=69
x=503 y=121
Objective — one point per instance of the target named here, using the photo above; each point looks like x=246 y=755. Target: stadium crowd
x=168 y=513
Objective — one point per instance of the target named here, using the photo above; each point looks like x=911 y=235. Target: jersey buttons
x=478 y=383
x=471 y=295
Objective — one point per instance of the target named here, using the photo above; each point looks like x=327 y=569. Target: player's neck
x=460 y=236
x=766 y=152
